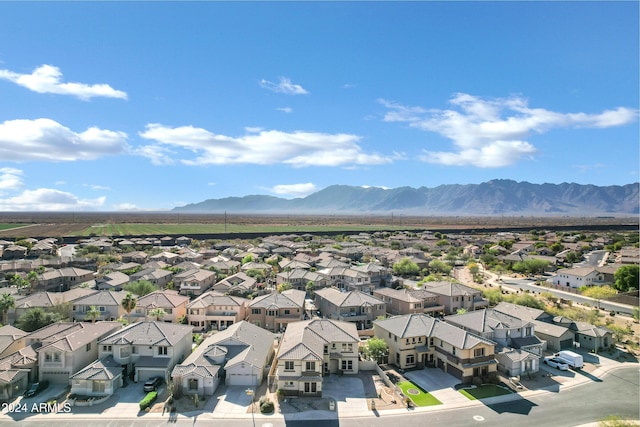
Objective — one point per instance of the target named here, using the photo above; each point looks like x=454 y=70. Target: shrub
x=267 y=407
x=148 y=400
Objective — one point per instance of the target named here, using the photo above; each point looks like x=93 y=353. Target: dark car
x=36 y=388
x=152 y=384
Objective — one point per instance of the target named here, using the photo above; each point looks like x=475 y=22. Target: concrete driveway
x=440 y=384
x=348 y=392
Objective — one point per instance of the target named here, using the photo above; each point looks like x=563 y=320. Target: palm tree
x=129 y=303
x=32 y=278
x=93 y=313
x=158 y=313
x=6 y=302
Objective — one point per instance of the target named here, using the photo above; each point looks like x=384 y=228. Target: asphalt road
x=617 y=394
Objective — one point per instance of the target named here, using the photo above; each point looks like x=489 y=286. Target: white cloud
x=285 y=109
x=284 y=86
x=46 y=199
x=266 y=147
x=48 y=79
x=295 y=190
x=47 y=140
x=100 y=187
x=10 y=179
x=493 y=132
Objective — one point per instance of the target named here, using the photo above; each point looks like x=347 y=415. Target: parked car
x=554 y=362
x=36 y=388
x=152 y=384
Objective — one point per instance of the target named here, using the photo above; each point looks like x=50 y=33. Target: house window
x=98 y=386
x=347 y=365
x=272 y=313
x=163 y=351
x=411 y=359
x=311 y=366
x=106 y=348
x=168 y=310
x=193 y=384
x=287 y=311
x=326 y=349
x=88 y=346
x=288 y=366
x=478 y=352
x=125 y=352
x=454 y=351
x=102 y=309
x=310 y=387
x=431 y=342
x=256 y=311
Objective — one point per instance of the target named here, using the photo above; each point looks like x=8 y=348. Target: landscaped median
x=484 y=391
x=418 y=396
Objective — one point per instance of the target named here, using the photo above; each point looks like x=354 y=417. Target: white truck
x=574 y=360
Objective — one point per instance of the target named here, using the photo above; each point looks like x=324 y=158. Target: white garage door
x=145 y=374
x=240 y=379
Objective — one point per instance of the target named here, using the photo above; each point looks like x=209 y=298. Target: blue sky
x=151 y=105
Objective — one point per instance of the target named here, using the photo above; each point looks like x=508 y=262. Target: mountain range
x=496 y=197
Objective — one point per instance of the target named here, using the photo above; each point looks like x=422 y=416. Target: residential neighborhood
x=293 y=316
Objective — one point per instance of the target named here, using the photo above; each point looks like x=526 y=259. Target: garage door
x=566 y=344
x=240 y=379
x=55 y=377
x=145 y=374
x=454 y=371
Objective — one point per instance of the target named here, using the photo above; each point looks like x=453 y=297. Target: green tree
x=140 y=287
x=310 y=287
x=599 y=293
x=375 y=349
x=158 y=313
x=474 y=268
x=93 y=313
x=494 y=296
x=247 y=258
x=36 y=318
x=572 y=257
x=406 y=267
x=284 y=287
x=438 y=266
x=461 y=311
x=627 y=278
x=529 y=300
x=32 y=278
x=7 y=301
x=129 y=303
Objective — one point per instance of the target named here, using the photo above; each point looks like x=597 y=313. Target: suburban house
x=47 y=301
x=418 y=340
x=213 y=310
x=578 y=277
x=348 y=279
x=14 y=252
x=173 y=305
x=113 y=281
x=148 y=349
x=236 y=284
x=454 y=296
x=109 y=303
x=275 y=311
x=409 y=301
x=379 y=275
x=139 y=257
x=157 y=276
x=62 y=355
x=11 y=340
x=239 y=356
x=518 y=350
x=59 y=280
x=100 y=378
x=17 y=370
x=298 y=278
x=586 y=335
x=194 y=281
x=351 y=306
x=312 y=349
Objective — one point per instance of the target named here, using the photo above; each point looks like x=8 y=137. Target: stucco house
x=312 y=349
x=213 y=310
x=148 y=349
x=173 y=305
x=100 y=378
x=239 y=356
x=409 y=301
x=454 y=296
x=275 y=311
x=351 y=306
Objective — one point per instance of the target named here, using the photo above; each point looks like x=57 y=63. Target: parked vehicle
x=554 y=362
x=36 y=388
x=152 y=384
x=574 y=360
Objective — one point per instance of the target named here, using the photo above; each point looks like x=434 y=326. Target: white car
x=554 y=362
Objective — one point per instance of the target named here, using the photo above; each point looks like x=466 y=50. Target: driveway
x=348 y=392
x=438 y=383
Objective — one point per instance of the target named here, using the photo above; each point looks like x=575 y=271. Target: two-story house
x=409 y=301
x=454 y=296
x=64 y=354
x=418 y=340
x=194 y=281
x=108 y=303
x=213 y=310
x=148 y=349
x=312 y=349
x=59 y=280
x=275 y=311
x=298 y=278
x=518 y=350
x=157 y=276
x=241 y=355
x=351 y=306
x=173 y=305
x=17 y=370
x=236 y=284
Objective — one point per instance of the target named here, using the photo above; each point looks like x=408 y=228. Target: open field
x=56 y=224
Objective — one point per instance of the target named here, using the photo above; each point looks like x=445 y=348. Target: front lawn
x=417 y=395
x=484 y=391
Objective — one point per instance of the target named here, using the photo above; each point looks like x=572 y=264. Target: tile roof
x=101 y=369
x=149 y=333
x=305 y=340
x=347 y=299
x=81 y=337
x=162 y=299
x=291 y=298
